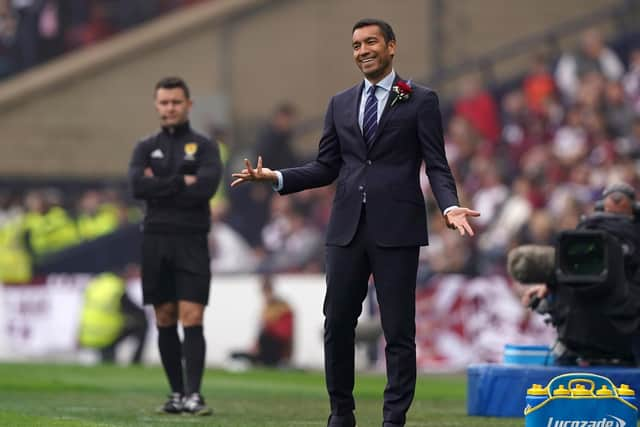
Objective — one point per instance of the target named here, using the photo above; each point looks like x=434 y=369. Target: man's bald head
x=619 y=199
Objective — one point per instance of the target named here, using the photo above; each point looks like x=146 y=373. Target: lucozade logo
x=609 y=421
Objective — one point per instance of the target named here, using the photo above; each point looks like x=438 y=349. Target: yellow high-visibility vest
x=105 y=221
x=15 y=261
x=102 y=319
x=50 y=232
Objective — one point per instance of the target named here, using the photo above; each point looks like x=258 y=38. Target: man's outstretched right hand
x=258 y=174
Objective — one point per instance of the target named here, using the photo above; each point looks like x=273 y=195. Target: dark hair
x=385 y=28
x=173 y=83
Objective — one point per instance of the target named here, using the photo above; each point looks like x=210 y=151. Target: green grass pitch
x=65 y=395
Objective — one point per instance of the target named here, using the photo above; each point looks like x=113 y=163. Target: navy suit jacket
x=388 y=171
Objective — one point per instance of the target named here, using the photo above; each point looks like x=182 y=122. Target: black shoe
x=342 y=421
x=194 y=405
x=174 y=405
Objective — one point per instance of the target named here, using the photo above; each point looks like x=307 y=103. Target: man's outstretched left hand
x=456 y=219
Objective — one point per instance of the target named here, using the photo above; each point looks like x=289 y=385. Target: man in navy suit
x=376 y=135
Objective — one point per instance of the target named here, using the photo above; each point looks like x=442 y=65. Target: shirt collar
x=177 y=129
x=385 y=83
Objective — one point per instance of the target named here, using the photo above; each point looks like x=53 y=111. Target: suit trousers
x=394 y=272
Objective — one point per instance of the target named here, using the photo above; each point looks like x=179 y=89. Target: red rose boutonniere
x=402 y=90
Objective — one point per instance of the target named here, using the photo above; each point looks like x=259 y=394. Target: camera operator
x=601 y=329
x=619 y=214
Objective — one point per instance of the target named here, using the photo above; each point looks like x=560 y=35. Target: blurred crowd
x=532 y=159
x=42 y=222
x=537 y=158
x=35 y=31
x=282 y=234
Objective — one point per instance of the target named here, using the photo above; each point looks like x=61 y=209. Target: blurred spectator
x=317 y=204
x=601 y=142
x=492 y=193
x=444 y=263
x=220 y=136
x=617 y=111
x=631 y=80
x=590 y=91
x=538 y=85
x=275 y=230
x=513 y=214
x=538 y=166
x=250 y=204
x=592 y=56
x=26 y=42
x=534 y=146
x=274 y=344
x=15 y=261
x=518 y=131
x=476 y=104
x=48 y=225
x=250 y=207
x=570 y=214
x=51 y=42
x=462 y=143
x=629 y=145
x=625 y=170
x=274 y=142
x=10 y=207
x=577 y=189
x=515 y=112
x=553 y=112
x=570 y=141
x=95 y=217
x=292 y=244
x=109 y=317
x=539 y=230
x=127 y=213
x=230 y=253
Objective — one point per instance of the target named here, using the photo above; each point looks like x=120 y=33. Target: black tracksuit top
x=172 y=206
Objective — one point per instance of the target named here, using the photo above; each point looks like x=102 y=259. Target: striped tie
x=370 y=119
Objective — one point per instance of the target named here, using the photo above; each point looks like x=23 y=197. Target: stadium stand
x=34 y=32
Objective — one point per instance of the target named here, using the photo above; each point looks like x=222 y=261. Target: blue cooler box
x=527 y=355
x=580 y=399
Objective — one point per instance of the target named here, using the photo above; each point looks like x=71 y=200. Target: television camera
x=593 y=285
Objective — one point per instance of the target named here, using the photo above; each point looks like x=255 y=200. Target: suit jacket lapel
x=356 y=111
x=385 y=113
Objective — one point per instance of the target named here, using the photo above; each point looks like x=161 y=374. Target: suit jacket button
x=361 y=187
x=369 y=162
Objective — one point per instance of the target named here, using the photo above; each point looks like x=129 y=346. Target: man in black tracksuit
x=176 y=171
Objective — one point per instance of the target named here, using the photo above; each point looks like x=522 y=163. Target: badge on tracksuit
x=190 y=150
